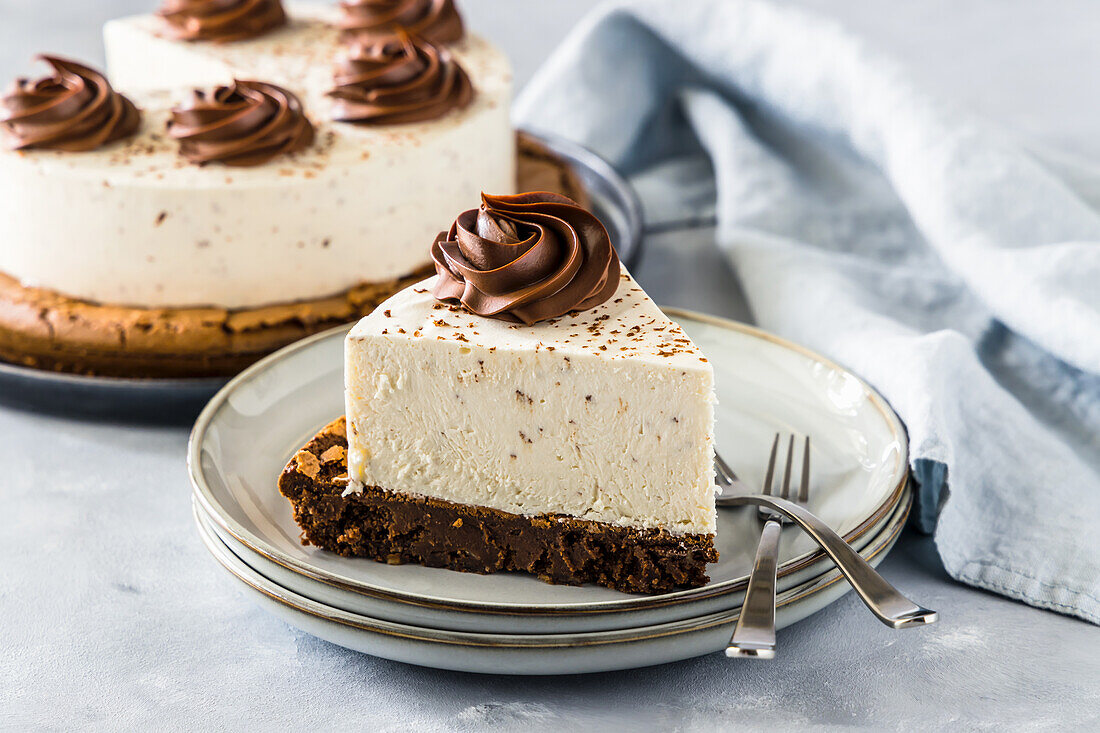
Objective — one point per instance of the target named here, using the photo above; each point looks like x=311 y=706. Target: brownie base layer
x=47 y=330
x=398 y=528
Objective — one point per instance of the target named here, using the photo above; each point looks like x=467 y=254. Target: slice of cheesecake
x=578 y=448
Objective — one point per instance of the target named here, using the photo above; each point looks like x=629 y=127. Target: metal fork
x=883 y=599
x=754 y=635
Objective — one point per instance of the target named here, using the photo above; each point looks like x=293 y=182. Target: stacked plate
x=512 y=623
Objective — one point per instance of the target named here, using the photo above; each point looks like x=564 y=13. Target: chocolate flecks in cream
x=615 y=332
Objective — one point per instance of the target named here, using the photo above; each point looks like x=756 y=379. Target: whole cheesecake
x=528 y=408
x=160 y=255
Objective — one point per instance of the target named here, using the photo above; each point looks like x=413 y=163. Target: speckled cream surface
x=606 y=415
x=135 y=224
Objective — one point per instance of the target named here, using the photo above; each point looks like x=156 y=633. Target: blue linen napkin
x=952 y=269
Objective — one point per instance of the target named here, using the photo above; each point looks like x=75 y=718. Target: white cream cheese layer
x=135 y=224
x=604 y=415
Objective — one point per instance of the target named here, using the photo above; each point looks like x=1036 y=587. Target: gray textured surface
x=114 y=617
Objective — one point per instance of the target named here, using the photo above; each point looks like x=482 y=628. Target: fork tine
x=771 y=467
x=804 y=487
x=726 y=476
x=787 y=470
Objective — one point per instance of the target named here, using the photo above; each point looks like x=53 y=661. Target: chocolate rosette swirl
x=74 y=109
x=398 y=80
x=244 y=124
x=221 y=21
x=435 y=20
x=526 y=258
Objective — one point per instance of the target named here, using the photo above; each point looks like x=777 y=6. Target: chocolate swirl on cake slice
x=221 y=21
x=74 y=110
x=398 y=80
x=434 y=20
x=244 y=124
x=527 y=258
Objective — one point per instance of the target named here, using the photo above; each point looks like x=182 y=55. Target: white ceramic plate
x=529 y=654
x=251 y=428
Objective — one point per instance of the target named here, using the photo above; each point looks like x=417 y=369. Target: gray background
x=114 y=616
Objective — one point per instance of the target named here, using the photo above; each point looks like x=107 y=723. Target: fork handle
x=754 y=635
x=883 y=599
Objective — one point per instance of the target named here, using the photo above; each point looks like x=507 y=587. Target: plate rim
x=202 y=491
x=425 y=634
